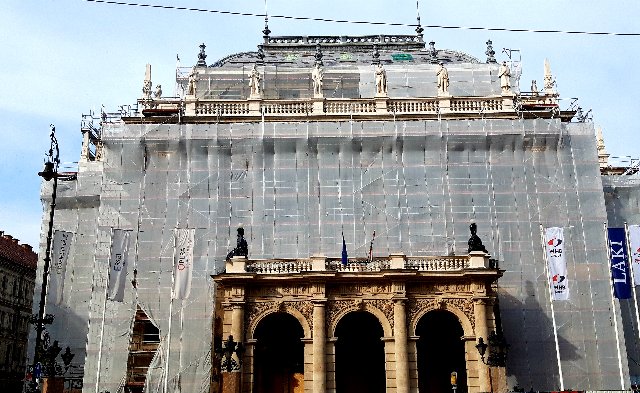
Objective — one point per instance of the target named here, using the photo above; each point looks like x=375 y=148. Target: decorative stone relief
x=384 y=305
x=417 y=307
x=254 y=311
x=447 y=288
x=338 y=307
x=362 y=289
x=306 y=309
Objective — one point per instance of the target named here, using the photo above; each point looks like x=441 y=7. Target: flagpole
x=104 y=310
x=633 y=283
x=613 y=307
x=173 y=277
x=553 y=313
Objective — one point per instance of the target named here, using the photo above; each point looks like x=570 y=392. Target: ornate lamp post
x=50 y=172
x=225 y=354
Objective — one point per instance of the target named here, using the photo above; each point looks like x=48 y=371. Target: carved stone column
x=319 y=347
x=401 y=349
x=482 y=330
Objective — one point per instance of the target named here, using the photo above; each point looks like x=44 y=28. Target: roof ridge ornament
x=318 y=54
x=419 y=28
x=266 y=31
x=376 y=54
x=491 y=54
x=202 y=56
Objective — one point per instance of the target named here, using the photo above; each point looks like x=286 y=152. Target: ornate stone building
x=17 y=278
x=313 y=143
x=395 y=324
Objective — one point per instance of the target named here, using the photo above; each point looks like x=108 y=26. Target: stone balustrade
x=255 y=109
x=474 y=260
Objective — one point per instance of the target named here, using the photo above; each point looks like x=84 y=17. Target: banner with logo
x=620 y=273
x=554 y=245
x=118 y=262
x=183 y=262
x=634 y=250
x=58 y=269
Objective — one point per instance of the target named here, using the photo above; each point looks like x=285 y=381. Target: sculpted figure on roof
x=317 y=74
x=254 y=82
x=191 y=88
x=443 y=80
x=381 y=81
x=505 y=73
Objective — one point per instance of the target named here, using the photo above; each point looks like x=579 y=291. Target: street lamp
x=498 y=349
x=50 y=172
x=225 y=354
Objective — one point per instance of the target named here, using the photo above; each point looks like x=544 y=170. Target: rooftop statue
x=254 y=82
x=475 y=244
x=158 y=92
x=242 y=248
x=317 y=74
x=443 y=80
x=534 y=87
x=505 y=74
x=381 y=81
x=193 y=78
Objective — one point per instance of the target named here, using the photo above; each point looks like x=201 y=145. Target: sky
x=62 y=58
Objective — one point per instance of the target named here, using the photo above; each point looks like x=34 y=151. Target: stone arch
x=258 y=316
x=376 y=312
x=467 y=326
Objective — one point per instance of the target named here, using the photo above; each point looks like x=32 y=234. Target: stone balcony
x=475 y=260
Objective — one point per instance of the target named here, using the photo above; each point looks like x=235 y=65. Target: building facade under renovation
x=354 y=166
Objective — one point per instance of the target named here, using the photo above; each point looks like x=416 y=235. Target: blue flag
x=620 y=273
x=344 y=251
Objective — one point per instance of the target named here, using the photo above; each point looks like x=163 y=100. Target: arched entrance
x=440 y=351
x=360 y=363
x=279 y=355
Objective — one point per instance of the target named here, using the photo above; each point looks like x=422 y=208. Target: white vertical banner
x=634 y=251
x=183 y=262
x=118 y=262
x=554 y=246
x=58 y=269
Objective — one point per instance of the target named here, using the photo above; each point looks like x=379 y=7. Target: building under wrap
x=298 y=171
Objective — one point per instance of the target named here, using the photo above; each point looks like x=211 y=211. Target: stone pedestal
x=444 y=103
x=318 y=105
x=236 y=265
x=231 y=382
x=53 y=385
x=397 y=261
x=478 y=259
x=381 y=103
x=254 y=105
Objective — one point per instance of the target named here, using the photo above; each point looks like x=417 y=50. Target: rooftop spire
x=266 y=31
x=419 y=28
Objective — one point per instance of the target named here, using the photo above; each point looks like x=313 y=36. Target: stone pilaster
x=319 y=348
x=401 y=348
x=482 y=330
